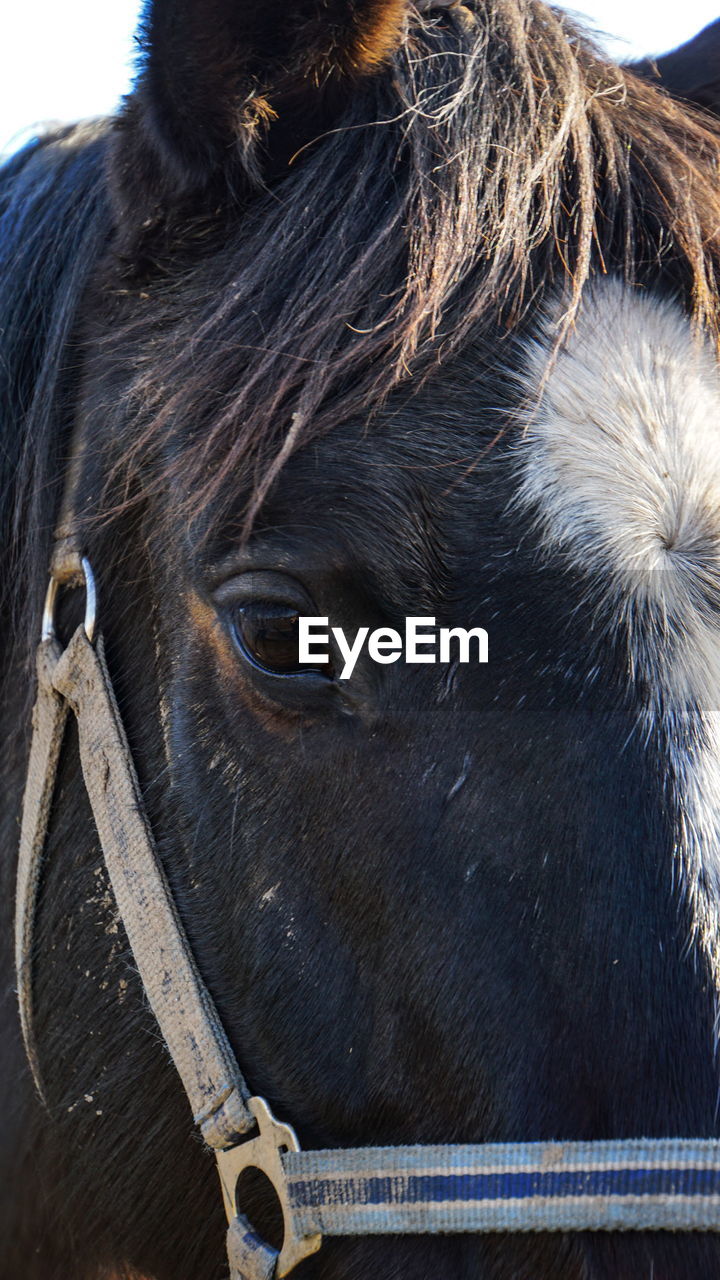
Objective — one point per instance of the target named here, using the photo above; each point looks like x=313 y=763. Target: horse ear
x=225 y=85
x=691 y=72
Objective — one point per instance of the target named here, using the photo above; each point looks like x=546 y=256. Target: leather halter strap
x=635 y=1185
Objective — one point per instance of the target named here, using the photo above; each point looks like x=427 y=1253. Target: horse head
x=366 y=310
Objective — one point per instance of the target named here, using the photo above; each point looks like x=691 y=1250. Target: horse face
x=433 y=902
x=394 y=876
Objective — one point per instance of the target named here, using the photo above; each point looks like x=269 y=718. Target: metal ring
x=54 y=585
x=265 y=1152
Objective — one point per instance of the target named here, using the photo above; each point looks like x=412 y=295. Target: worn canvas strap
x=49 y=717
x=180 y=1001
x=637 y=1185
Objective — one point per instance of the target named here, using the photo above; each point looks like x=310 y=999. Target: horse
x=368 y=309
x=691 y=72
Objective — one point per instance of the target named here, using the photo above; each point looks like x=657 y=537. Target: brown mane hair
x=495 y=155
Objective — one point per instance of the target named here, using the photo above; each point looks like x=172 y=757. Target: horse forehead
x=620 y=456
x=620 y=467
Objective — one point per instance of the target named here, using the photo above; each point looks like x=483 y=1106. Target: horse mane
x=495 y=156
x=53 y=222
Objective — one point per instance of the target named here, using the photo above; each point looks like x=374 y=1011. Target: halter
x=637 y=1185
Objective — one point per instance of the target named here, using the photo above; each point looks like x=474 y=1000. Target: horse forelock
x=620 y=462
x=450 y=196
x=447 y=199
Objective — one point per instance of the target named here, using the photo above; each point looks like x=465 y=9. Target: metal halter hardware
x=641 y=1184
x=80 y=576
x=265 y=1153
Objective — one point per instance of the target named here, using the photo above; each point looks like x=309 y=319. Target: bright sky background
x=64 y=59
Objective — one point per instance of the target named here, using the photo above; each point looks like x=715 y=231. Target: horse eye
x=268 y=635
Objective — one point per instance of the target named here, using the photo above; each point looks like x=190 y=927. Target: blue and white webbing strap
x=641 y=1184
x=637 y=1185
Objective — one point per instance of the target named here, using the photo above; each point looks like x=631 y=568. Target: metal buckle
x=265 y=1152
x=86 y=577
